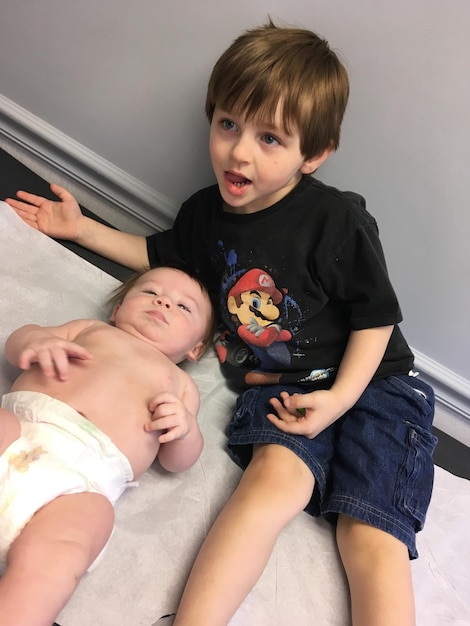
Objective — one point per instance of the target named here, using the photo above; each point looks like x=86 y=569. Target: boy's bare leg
x=48 y=558
x=379 y=575
x=274 y=488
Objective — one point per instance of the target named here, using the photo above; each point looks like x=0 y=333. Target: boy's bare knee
x=379 y=574
x=283 y=471
x=364 y=543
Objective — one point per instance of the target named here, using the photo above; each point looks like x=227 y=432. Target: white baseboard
x=451 y=389
x=151 y=209
x=53 y=148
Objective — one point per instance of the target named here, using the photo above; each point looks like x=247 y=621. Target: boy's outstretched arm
x=308 y=414
x=64 y=220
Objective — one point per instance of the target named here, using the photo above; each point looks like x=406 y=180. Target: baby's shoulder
x=190 y=386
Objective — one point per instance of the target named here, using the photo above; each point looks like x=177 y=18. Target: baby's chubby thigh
x=10 y=429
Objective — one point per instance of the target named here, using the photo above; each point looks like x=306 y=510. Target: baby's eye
x=228 y=125
x=270 y=140
x=150 y=292
x=183 y=307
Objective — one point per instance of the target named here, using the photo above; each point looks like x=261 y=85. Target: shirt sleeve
x=159 y=246
x=169 y=245
x=357 y=277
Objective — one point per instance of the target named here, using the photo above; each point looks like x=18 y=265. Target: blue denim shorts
x=374 y=463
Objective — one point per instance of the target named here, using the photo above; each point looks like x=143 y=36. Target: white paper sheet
x=161 y=523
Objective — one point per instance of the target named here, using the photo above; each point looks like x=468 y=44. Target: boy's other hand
x=305 y=414
x=58 y=219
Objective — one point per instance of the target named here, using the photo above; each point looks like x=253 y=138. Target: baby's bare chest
x=129 y=364
x=123 y=374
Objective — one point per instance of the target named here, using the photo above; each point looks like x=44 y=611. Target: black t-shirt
x=291 y=282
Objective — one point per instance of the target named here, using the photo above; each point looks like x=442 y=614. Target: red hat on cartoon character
x=256 y=280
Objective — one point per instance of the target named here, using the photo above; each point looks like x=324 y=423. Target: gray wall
x=127 y=80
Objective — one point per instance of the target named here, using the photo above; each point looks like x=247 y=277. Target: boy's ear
x=314 y=163
x=195 y=354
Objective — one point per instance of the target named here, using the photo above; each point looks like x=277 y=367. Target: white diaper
x=58 y=452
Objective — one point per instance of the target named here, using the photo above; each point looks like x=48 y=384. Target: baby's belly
x=118 y=406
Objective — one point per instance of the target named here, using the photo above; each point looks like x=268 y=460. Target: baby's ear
x=196 y=353
x=314 y=163
x=112 y=317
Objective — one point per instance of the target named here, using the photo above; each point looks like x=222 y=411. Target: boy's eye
x=184 y=308
x=150 y=292
x=270 y=140
x=228 y=125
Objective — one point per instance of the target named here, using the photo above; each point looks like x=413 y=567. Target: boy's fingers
x=62 y=193
x=22 y=208
x=286 y=413
x=31 y=198
x=290 y=426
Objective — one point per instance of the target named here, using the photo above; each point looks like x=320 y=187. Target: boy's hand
x=305 y=414
x=171 y=416
x=56 y=219
x=52 y=354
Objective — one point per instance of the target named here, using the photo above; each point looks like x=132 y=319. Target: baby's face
x=168 y=309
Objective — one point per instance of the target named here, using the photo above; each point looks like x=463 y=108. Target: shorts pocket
x=416 y=474
x=246 y=404
x=419 y=395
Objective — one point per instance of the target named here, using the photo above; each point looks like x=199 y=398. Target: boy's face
x=167 y=309
x=256 y=164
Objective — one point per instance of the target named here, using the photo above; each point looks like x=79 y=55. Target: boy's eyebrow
x=269 y=125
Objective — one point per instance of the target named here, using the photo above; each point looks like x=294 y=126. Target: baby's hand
x=169 y=415
x=52 y=354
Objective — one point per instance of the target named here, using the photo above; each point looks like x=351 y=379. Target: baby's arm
x=63 y=219
x=360 y=361
x=50 y=347
x=181 y=439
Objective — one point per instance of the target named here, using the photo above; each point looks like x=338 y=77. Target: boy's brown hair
x=268 y=66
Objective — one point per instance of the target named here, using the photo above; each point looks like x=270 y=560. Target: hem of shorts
x=283 y=439
x=370 y=514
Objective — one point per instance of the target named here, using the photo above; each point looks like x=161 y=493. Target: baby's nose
x=163 y=301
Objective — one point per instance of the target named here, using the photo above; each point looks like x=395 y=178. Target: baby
x=96 y=403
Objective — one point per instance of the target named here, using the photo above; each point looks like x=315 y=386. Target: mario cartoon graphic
x=252 y=302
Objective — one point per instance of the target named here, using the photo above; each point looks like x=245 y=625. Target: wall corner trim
x=59 y=151
x=451 y=389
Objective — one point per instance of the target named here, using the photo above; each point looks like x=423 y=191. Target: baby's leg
x=48 y=558
x=275 y=487
x=379 y=574
x=10 y=429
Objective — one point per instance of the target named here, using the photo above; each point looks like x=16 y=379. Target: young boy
x=93 y=407
x=330 y=420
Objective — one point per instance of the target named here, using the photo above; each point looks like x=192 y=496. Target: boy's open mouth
x=236 y=179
